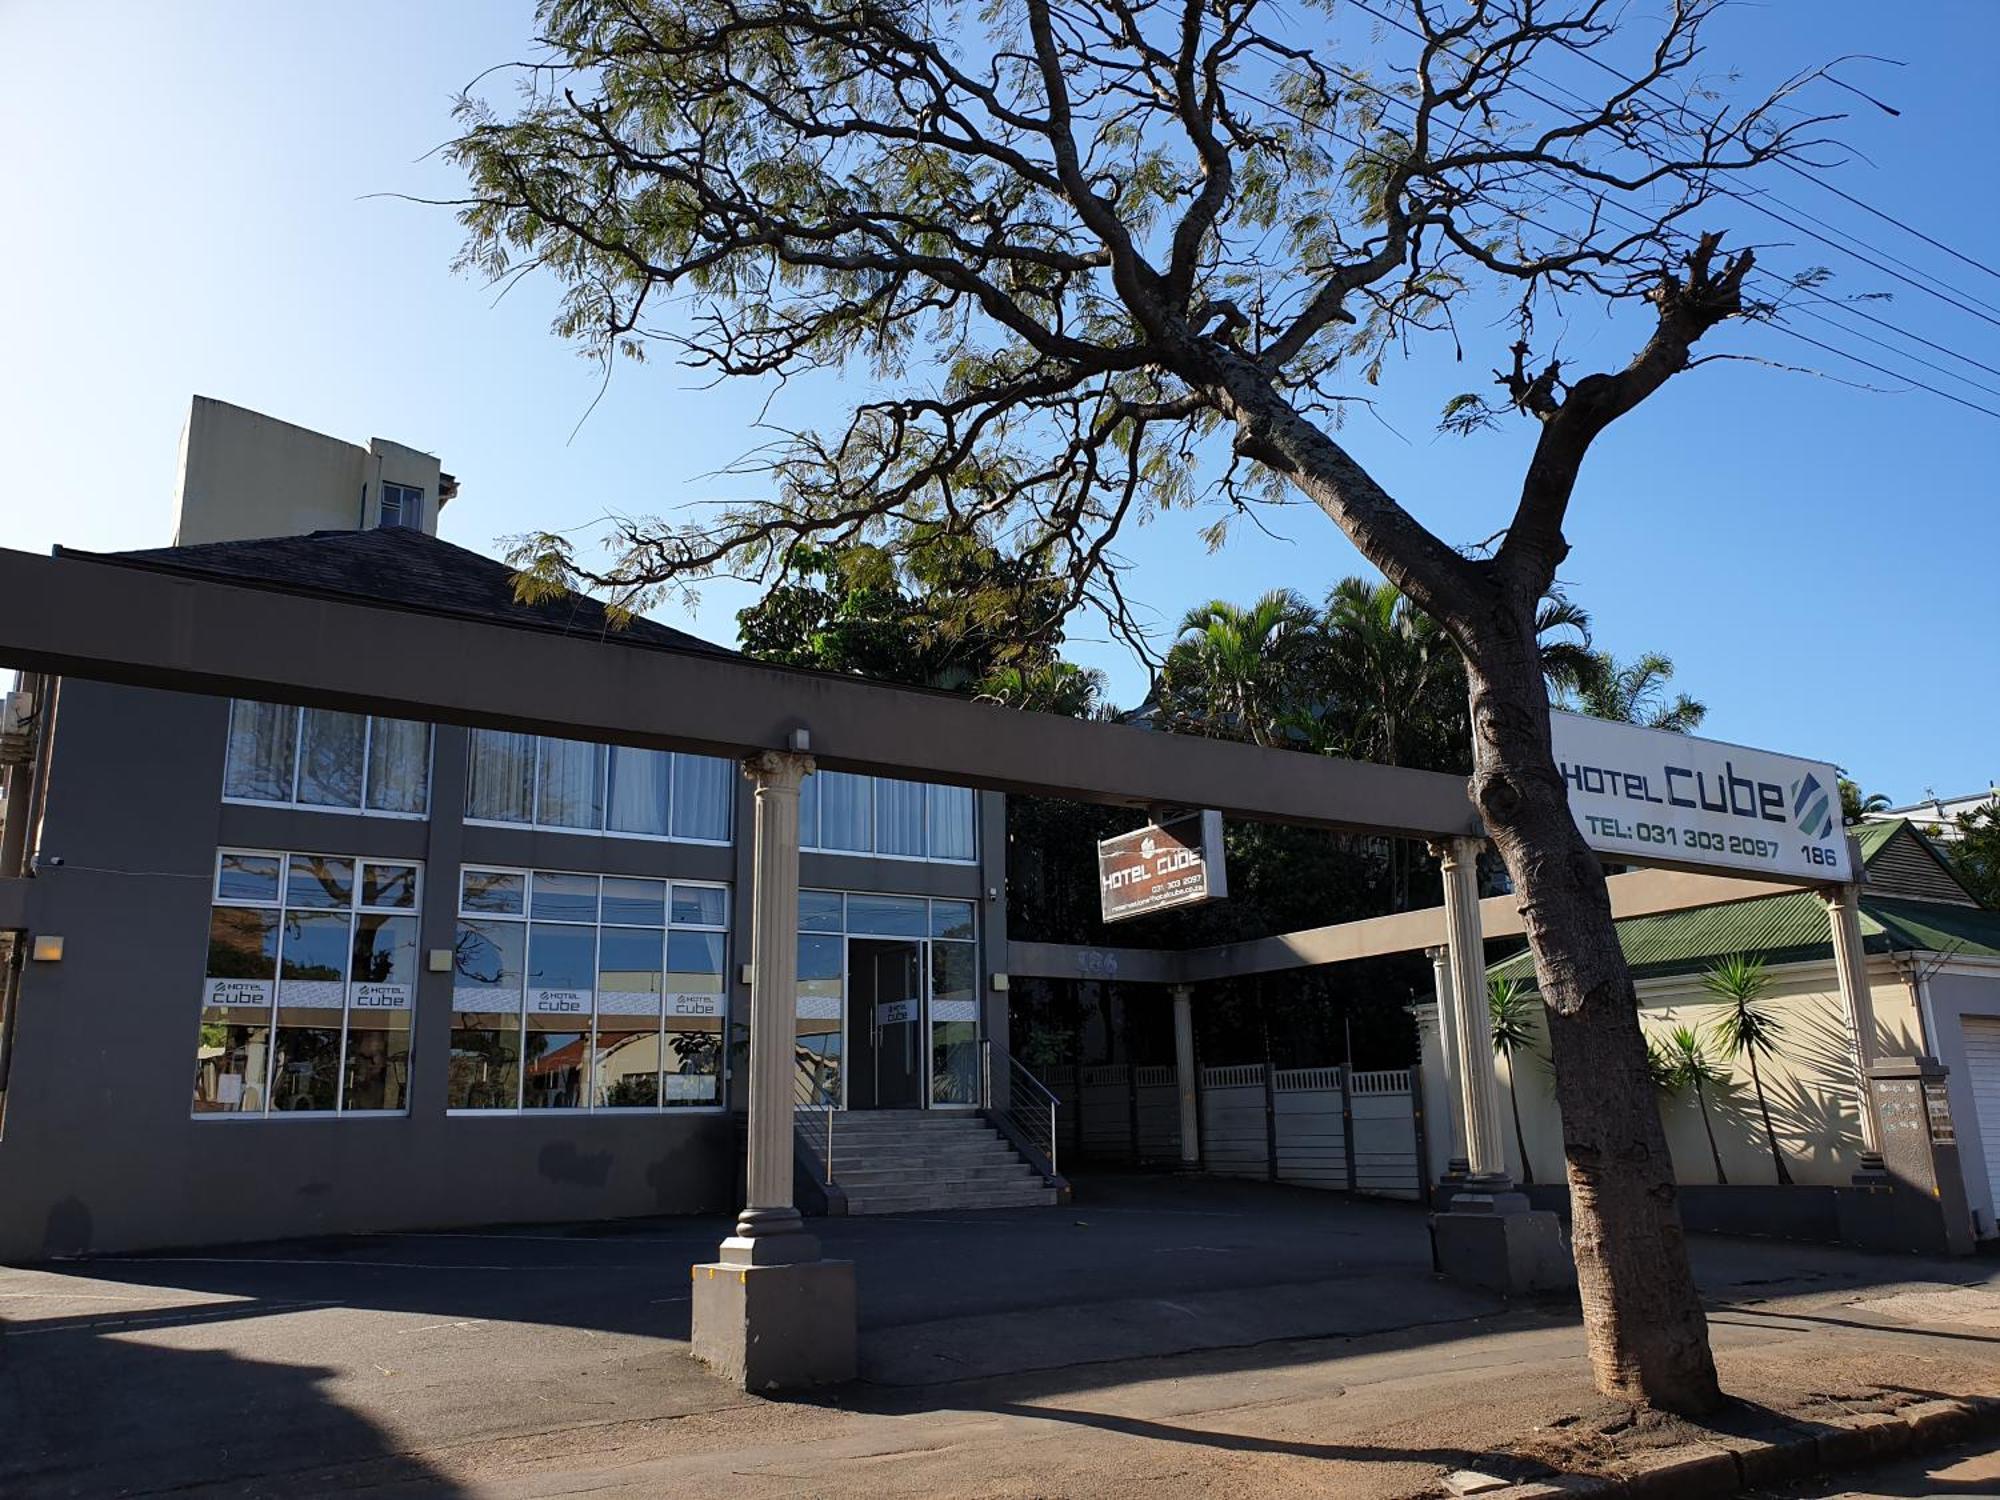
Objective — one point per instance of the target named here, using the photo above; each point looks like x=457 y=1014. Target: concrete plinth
x=1497 y=1241
x=773 y=1328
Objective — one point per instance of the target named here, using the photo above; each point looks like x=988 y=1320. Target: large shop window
x=842 y=813
x=574 y=785
x=312 y=971
x=944 y=930
x=586 y=992
x=315 y=757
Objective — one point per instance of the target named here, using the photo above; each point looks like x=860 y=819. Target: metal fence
x=1316 y=1127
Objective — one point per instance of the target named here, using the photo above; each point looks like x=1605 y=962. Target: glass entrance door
x=885 y=1024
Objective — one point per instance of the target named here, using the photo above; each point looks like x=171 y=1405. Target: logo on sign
x=694 y=1005
x=559 y=1002
x=222 y=993
x=1812 y=807
x=379 y=997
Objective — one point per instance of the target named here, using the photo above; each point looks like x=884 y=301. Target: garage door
x=1982 y=1071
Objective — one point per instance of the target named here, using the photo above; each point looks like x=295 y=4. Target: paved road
x=1970 y=1471
x=1187 y=1336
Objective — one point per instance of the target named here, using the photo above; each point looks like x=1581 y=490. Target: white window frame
x=903 y=859
x=668 y=926
x=403 y=520
x=604 y=830
x=367 y=750
x=356 y=908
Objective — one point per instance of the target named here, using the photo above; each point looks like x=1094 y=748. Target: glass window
x=248 y=877
x=809 y=812
x=399 y=766
x=951 y=919
x=846 y=811
x=319 y=880
x=331 y=747
x=499 y=891
x=702 y=787
x=821 y=911
x=262 y=737
x=888 y=916
x=952 y=816
x=627 y=900
x=899 y=817
x=822 y=976
x=626 y=1066
x=574 y=1014
x=489 y=959
x=571 y=790
x=954 y=1024
x=565 y=898
x=307 y=1001
x=402 y=505
x=500 y=776
x=393 y=886
x=700 y=906
x=641 y=788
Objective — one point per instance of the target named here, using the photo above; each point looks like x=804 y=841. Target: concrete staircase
x=905 y=1160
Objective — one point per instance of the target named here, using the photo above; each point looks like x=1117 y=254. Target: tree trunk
x=1701 y=1098
x=1770 y=1134
x=1520 y=1136
x=1648 y=1336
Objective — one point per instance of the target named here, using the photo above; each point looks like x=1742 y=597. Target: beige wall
x=243 y=474
x=1809 y=1084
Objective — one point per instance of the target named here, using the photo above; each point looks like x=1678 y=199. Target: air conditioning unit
x=17 y=729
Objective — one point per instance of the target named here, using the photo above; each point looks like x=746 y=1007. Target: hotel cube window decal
x=310 y=985
x=586 y=992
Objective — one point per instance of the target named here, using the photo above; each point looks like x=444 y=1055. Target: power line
x=1953 y=296
x=1774 y=322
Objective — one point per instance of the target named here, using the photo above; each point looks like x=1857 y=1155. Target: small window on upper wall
x=402 y=505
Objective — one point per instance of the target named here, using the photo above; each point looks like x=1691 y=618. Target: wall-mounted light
x=48 y=948
x=438 y=960
x=747 y=973
x=999 y=983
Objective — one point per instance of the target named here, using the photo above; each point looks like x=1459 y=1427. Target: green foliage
x=947 y=614
x=1688 y=1065
x=1739 y=981
x=1511 y=1007
x=1856 y=804
x=1633 y=692
x=1974 y=855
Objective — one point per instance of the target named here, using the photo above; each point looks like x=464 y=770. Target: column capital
x=1181 y=991
x=1440 y=955
x=1838 y=896
x=778 y=769
x=1456 y=850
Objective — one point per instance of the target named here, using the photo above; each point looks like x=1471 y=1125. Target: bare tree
x=1066 y=252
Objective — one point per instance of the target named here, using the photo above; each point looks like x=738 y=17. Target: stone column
x=1487 y=1234
x=769 y=1230
x=768 y=1313
x=1471 y=1023
x=1454 y=1107
x=1184 y=1074
x=1850 y=964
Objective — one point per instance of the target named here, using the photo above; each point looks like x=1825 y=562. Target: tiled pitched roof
x=404 y=568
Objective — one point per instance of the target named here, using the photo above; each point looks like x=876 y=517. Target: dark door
x=885 y=1024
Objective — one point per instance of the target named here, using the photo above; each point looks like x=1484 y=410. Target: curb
x=1728 y=1465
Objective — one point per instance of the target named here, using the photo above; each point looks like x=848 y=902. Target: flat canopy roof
x=127 y=624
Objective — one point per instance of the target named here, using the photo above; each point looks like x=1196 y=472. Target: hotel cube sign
x=1174 y=862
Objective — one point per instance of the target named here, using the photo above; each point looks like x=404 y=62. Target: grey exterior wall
x=100 y=1151
x=1948 y=997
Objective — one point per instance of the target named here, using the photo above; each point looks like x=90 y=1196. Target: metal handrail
x=1030 y=1110
x=809 y=1094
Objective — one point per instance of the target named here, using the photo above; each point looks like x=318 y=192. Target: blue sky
x=204 y=209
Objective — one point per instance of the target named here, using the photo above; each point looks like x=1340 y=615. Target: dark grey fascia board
x=1027 y=960
x=17 y=902
x=142 y=627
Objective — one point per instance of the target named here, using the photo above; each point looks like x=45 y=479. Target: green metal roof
x=1791 y=927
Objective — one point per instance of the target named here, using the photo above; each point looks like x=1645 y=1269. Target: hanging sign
x=1174 y=862
x=1649 y=796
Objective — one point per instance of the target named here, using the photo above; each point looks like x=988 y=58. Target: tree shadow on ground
x=95 y=1413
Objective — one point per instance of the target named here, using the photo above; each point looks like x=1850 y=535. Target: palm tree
x=1237 y=673
x=1057 y=687
x=1632 y=693
x=1512 y=1007
x=1748 y=1030
x=1856 y=804
x=1689 y=1067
